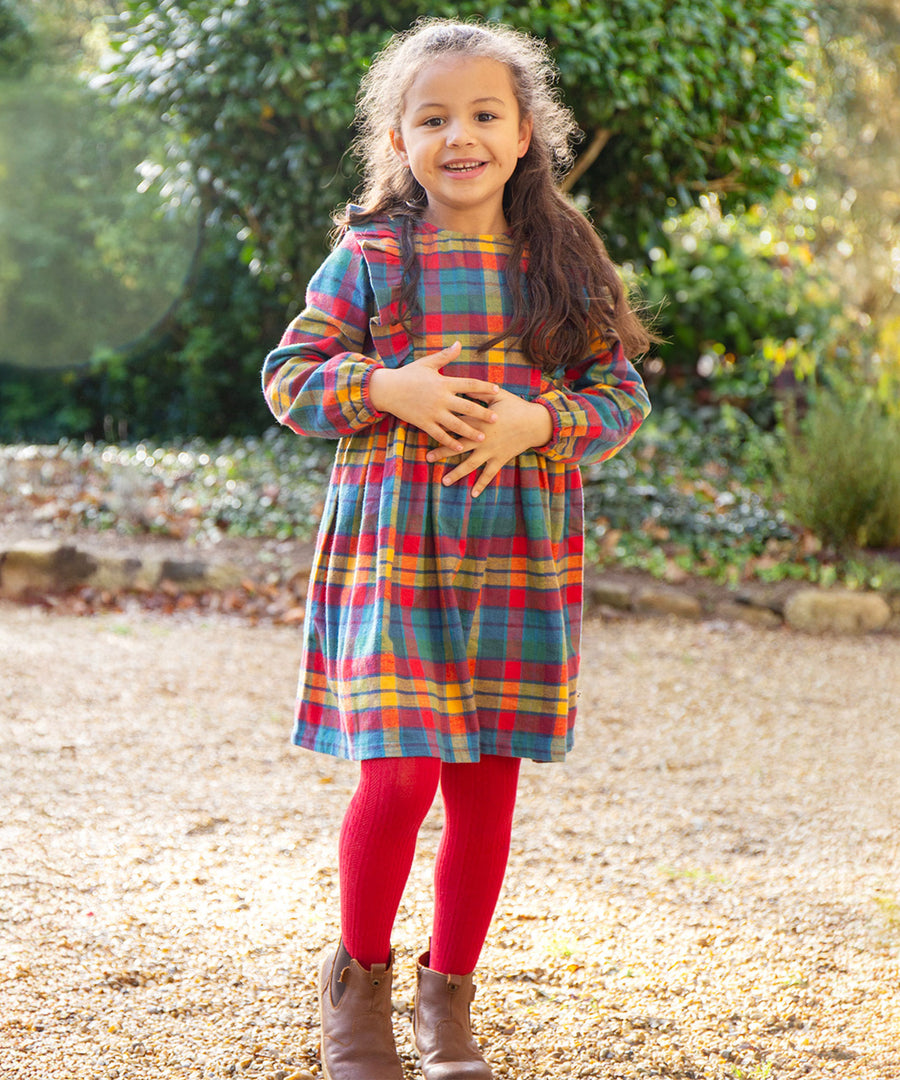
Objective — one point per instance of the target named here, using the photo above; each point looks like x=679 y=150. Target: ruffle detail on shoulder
x=379 y=235
x=379 y=243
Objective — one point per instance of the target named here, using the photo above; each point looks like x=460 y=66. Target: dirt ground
x=708 y=888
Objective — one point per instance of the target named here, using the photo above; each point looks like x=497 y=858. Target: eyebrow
x=476 y=101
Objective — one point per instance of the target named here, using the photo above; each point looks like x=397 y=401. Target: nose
x=458 y=134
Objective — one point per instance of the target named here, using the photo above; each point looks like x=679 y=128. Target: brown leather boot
x=442 y=1027
x=357 y=1036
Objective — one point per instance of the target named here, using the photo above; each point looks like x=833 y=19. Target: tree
x=86 y=260
x=676 y=97
x=857 y=151
x=17 y=44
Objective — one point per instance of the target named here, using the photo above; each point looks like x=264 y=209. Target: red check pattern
x=440 y=625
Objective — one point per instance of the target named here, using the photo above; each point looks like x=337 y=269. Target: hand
x=520 y=426
x=419 y=394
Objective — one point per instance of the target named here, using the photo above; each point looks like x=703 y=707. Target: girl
x=467 y=343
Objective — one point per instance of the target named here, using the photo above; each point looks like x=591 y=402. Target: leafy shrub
x=701 y=490
x=87 y=260
x=197 y=375
x=17 y=45
x=744 y=310
x=201 y=376
x=883 y=365
x=843 y=472
x=258 y=97
x=40 y=406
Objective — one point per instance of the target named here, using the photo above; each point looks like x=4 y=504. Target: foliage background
x=243 y=114
x=168 y=170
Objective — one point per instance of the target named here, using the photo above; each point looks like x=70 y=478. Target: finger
x=441 y=453
x=470 y=434
x=462 y=430
x=444 y=356
x=471 y=409
x=445 y=438
x=477 y=388
x=468 y=422
x=448 y=441
x=486 y=476
x=489 y=397
x=470 y=464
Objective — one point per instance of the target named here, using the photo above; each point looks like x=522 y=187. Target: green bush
x=87 y=259
x=17 y=46
x=744 y=310
x=201 y=376
x=675 y=98
x=195 y=376
x=843 y=472
x=699 y=490
x=41 y=405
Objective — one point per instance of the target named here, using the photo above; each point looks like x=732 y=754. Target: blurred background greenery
x=168 y=170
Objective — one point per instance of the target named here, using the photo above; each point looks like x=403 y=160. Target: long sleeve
x=317 y=381
x=596 y=408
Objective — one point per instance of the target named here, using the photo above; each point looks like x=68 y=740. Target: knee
x=400 y=788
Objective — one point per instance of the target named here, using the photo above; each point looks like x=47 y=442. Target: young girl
x=467 y=343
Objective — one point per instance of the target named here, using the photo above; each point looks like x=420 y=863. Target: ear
x=525 y=130
x=399 y=145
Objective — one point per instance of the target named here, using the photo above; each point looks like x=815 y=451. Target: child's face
x=461 y=135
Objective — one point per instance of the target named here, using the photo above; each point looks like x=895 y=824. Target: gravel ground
x=709 y=888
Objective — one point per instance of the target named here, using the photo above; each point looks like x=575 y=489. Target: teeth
x=464 y=168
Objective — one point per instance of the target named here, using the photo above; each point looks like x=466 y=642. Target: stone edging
x=806 y=608
x=35 y=567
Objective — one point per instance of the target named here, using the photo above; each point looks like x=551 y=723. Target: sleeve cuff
x=368 y=414
x=550 y=402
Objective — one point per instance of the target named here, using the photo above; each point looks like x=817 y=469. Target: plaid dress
x=439 y=625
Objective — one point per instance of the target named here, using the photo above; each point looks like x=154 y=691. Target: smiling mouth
x=463 y=166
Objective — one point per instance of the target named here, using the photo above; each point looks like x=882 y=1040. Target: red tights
x=378 y=841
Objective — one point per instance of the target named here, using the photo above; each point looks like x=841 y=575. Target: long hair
x=571 y=289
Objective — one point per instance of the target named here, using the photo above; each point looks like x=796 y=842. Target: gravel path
x=709 y=888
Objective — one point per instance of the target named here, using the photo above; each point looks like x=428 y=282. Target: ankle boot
x=357 y=1036
x=442 y=1026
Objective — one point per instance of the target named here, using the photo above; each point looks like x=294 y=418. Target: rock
x=748 y=613
x=224 y=576
x=115 y=573
x=675 y=574
x=819 y=611
x=190 y=576
x=607 y=593
x=659 y=601
x=149 y=574
x=199 y=576
x=767 y=597
x=40 y=566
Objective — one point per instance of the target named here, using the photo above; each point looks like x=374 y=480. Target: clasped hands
x=489 y=434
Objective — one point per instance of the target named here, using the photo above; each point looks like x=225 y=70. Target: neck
x=471 y=222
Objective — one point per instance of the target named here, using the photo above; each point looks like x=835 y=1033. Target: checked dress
x=437 y=624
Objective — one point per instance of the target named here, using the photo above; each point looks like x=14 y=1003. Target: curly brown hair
x=571 y=288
